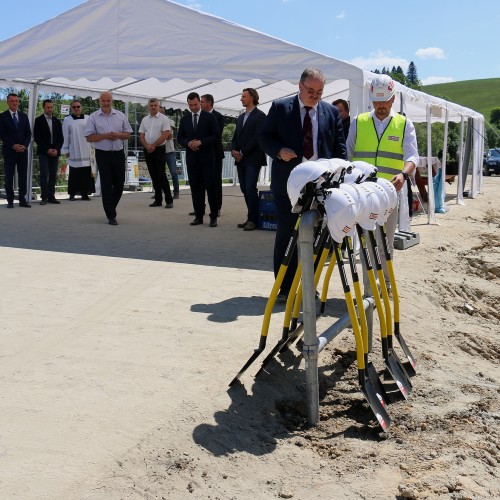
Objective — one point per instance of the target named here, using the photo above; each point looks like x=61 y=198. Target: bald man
x=107 y=128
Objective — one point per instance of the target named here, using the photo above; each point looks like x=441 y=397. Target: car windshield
x=495 y=152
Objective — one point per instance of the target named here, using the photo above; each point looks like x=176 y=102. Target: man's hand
x=194 y=144
x=236 y=155
x=287 y=154
x=398 y=181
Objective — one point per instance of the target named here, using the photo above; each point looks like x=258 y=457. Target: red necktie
x=307 y=134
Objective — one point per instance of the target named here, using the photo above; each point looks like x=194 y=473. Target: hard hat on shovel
x=341 y=213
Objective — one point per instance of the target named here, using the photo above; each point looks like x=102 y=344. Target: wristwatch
x=405 y=175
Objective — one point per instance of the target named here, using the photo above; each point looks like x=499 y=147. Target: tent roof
x=157 y=48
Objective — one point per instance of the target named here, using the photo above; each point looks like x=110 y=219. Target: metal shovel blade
x=252 y=358
x=398 y=373
x=376 y=382
x=376 y=403
x=411 y=360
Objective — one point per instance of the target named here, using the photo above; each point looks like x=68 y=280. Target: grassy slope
x=479 y=95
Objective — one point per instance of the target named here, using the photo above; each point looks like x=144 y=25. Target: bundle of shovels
x=352 y=201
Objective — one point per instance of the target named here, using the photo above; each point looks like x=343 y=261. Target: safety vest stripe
x=387 y=154
x=388 y=170
x=365 y=154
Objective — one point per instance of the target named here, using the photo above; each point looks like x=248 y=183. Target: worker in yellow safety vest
x=388 y=141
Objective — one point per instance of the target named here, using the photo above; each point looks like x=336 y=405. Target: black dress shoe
x=43 y=202
x=242 y=225
x=54 y=201
x=196 y=222
x=86 y=197
x=113 y=222
x=154 y=204
x=25 y=205
x=192 y=213
x=10 y=205
x=213 y=222
x=71 y=198
x=169 y=205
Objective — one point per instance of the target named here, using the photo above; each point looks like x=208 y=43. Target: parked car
x=491 y=162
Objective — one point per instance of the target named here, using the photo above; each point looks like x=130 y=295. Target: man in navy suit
x=49 y=138
x=15 y=133
x=198 y=133
x=248 y=155
x=283 y=139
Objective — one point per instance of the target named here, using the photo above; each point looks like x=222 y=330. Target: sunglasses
x=75 y=107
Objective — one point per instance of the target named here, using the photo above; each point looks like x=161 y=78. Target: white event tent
x=157 y=48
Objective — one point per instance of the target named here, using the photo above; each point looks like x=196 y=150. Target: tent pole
x=460 y=191
x=431 y=210
x=445 y=151
x=33 y=101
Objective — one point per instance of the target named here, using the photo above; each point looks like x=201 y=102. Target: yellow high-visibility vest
x=387 y=153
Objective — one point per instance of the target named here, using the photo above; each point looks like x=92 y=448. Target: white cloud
x=432 y=80
x=430 y=53
x=342 y=15
x=380 y=59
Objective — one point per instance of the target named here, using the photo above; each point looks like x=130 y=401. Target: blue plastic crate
x=267 y=220
x=266 y=201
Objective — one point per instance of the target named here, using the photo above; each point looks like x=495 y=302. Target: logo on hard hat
x=390 y=86
x=346 y=229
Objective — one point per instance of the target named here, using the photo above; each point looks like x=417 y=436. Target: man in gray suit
x=248 y=155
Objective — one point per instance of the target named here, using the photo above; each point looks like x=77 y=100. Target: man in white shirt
x=107 y=128
x=153 y=133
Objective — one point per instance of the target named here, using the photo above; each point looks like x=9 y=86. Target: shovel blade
x=376 y=382
x=411 y=360
x=398 y=373
x=376 y=403
x=252 y=358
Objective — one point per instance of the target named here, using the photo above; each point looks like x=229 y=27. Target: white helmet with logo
x=368 y=211
x=390 y=191
x=358 y=195
x=382 y=88
x=300 y=176
x=383 y=201
x=341 y=213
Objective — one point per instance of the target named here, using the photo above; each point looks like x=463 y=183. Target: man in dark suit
x=207 y=104
x=198 y=133
x=49 y=138
x=248 y=155
x=15 y=133
x=285 y=141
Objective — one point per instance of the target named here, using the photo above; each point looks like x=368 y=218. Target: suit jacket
x=207 y=132
x=41 y=133
x=246 y=139
x=283 y=129
x=219 y=148
x=11 y=135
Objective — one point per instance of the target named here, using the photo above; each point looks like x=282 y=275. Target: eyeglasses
x=313 y=92
x=75 y=107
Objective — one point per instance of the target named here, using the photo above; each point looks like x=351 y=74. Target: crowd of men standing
x=297 y=128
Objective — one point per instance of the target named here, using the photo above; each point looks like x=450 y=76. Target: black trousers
x=48 y=175
x=11 y=159
x=111 y=166
x=218 y=181
x=201 y=176
x=156 y=167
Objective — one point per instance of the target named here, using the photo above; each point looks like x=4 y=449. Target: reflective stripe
x=394 y=156
x=388 y=170
x=365 y=154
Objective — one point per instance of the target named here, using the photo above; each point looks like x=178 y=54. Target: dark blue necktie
x=16 y=121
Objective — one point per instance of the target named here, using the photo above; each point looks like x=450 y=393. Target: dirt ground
x=120 y=408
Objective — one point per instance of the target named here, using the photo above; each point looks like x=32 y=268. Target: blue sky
x=446 y=39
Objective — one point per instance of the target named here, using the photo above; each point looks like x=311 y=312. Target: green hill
x=480 y=95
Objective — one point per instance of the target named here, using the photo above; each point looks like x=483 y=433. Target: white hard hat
x=390 y=191
x=368 y=169
x=382 y=88
x=357 y=195
x=354 y=176
x=383 y=201
x=300 y=176
x=368 y=211
x=337 y=164
x=341 y=213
